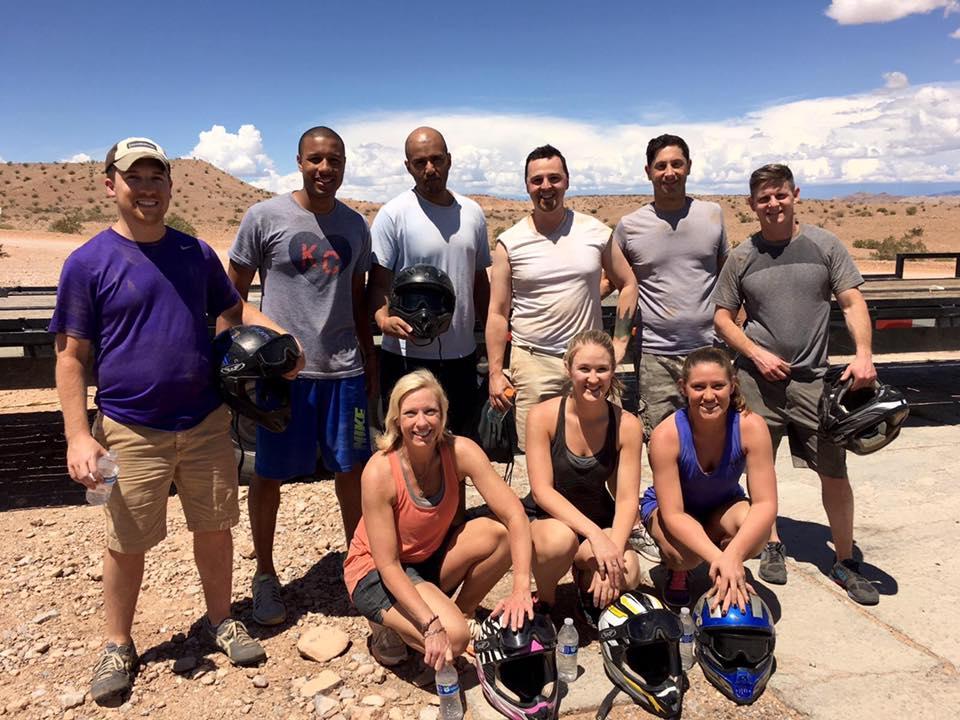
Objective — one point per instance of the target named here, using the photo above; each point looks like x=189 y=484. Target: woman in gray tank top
x=583 y=458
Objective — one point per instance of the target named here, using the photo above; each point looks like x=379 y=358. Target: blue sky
x=866 y=96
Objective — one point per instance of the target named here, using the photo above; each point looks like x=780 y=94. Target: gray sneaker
x=846 y=574
x=232 y=638
x=386 y=646
x=642 y=543
x=268 y=607
x=773 y=566
x=113 y=673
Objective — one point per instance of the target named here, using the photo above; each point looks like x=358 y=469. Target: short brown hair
x=772 y=173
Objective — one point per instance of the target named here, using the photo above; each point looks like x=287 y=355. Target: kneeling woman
x=696 y=510
x=583 y=460
x=412 y=549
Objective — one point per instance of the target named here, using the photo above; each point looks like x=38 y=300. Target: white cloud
x=895 y=80
x=78 y=158
x=955 y=34
x=894 y=134
x=856 y=12
x=239 y=153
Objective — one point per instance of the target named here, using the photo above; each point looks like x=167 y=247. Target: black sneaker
x=846 y=574
x=773 y=567
x=232 y=638
x=113 y=673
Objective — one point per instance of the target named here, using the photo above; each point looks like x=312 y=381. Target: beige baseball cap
x=126 y=152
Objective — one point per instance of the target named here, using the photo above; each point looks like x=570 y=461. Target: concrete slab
x=835 y=658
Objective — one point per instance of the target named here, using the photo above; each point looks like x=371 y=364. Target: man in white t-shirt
x=432 y=225
x=545 y=288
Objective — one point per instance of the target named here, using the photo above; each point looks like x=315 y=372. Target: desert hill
x=35 y=197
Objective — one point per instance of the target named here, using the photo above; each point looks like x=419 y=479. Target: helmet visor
x=731 y=647
x=411 y=301
x=647 y=628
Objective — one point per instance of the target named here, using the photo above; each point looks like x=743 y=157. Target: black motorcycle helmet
x=864 y=420
x=423 y=296
x=245 y=354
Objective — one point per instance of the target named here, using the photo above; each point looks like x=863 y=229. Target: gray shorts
x=657 y=389
x=790 y=407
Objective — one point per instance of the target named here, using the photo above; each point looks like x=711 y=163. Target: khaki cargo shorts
x=199 y=461
x=537 y=376
x=789 y=408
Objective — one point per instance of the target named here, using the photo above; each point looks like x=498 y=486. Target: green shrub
x=180 y=223
x=890 y=247
x=70 y=223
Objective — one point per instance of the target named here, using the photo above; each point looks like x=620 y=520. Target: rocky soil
x=51 y=623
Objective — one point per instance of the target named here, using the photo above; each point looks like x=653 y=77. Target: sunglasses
x=646 y=628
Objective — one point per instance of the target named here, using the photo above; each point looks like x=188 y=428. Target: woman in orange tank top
x=412 y=549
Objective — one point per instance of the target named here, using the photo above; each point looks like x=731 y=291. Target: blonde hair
x=593 y=337
x=390 y=438
x=717 y=356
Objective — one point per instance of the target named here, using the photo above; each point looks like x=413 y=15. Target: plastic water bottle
x=108 y=470
x=448 y=689
x=568 y=642
x=687 y=638
x=494 y=416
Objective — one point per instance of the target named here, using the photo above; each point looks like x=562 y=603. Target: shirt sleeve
x=723 y=247
x=221 y=293
x=727 y=294
x=364 y=258
x=844 y=274
x=483 y=243
x=247 y=249
x=383 y=241
x=75 y=310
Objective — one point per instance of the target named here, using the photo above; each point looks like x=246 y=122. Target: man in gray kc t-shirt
x=783 y=277
x=676 y=245
x=312 y=253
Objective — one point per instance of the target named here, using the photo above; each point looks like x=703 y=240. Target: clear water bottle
x=448 y=689
x=494 y=416
x=108 y=470
x=568 y=642
x=687 y=638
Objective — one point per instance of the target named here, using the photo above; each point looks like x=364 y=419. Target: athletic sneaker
x=386 y=646
x=113 y=673
x=773 y=566
x=846 y=574
x=676 y=591
x=268 y=607
x=232 y=638
x=642 y=543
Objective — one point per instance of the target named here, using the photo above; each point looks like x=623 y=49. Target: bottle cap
x=684 y=611
x=568 y=621
x=510 y=392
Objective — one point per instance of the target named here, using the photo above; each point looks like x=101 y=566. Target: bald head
x=423 y=136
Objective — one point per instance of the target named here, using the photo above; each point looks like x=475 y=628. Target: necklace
x=422 y=477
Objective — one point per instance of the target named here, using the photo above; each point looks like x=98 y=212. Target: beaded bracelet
x=426 y=626
x=431 y=633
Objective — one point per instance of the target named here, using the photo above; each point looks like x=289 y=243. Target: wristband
x=426 y=626
x=431 y=633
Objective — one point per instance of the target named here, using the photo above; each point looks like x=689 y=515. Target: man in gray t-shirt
x=312 y=253
x=432 y=225
x=783 y=277
x=676 y=245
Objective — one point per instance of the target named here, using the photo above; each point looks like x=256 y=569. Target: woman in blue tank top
x=696 y=510
x=583 y=459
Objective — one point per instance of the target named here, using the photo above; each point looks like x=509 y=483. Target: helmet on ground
x=423 y=296
x=244 y=354
x=640 y=643
x=518 y=669
x=863 y=420
x=735 y=650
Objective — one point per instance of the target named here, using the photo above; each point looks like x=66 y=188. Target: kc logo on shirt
x=319 y=257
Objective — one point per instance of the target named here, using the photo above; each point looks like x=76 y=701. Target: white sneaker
x=642 y=543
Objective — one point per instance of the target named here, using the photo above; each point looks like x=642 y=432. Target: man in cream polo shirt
x=545 y=288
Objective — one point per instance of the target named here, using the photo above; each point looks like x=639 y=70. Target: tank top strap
x=560 y=433
x=449 y=469
x=397 y=472
x=610 y=444
x=735 y=441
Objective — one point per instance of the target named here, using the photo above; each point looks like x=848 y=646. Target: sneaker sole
x=870 y=603
x=773 y=580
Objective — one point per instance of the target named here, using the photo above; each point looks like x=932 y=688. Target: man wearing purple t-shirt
x=132 y=306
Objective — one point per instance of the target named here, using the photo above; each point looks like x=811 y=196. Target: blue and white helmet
x=640 y=643
x=735 y=650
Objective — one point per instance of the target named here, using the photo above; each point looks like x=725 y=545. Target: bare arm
x=606 y=287
x=474 y=464
x=361 y=323
x=771 y=366
x=481 y=296
x=628 y=478
x=498 y=324
x=242 y=279
x=378 y=296
x=73 y=361
x=618 y=271
x=857 y=319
